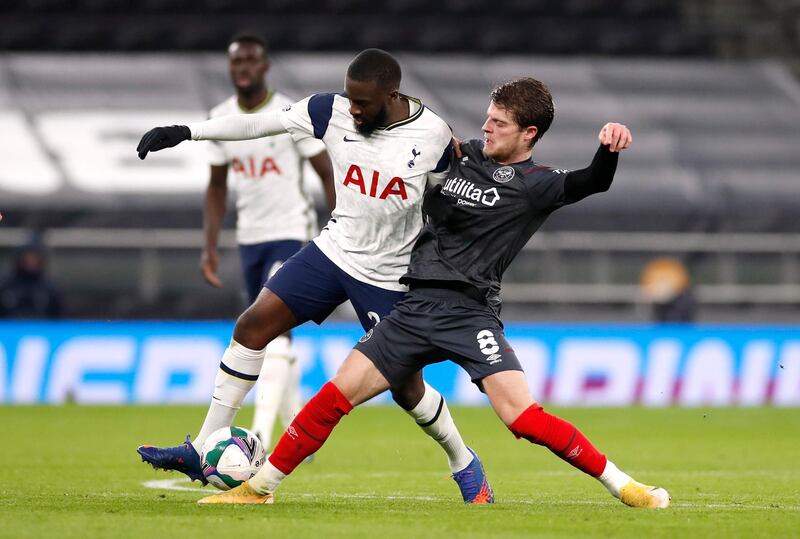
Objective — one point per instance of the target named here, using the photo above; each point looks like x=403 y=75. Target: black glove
x=435 y=205
x=159 y=138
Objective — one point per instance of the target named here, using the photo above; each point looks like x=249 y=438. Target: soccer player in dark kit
x=385 y=149
x=493 y=200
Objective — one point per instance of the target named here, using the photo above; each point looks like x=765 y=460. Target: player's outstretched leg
x=567 y=442
x=357 y=381
x=237 y=373
x=309 y=430
x=267 y=318
x=433 y=416
x=508 y=392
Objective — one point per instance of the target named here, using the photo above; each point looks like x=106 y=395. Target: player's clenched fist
x=616 y=136
x=159 y=138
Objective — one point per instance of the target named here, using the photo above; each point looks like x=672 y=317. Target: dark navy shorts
x=261 y=260
x=431 y=325
x=312 y=287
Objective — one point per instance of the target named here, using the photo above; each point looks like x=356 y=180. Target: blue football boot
x=475 y=488
x=181 y=458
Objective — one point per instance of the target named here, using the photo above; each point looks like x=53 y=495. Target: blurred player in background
x=275 y=216
x=27 y=293
x=494 y=199
x=386 y=148
x=666 y=285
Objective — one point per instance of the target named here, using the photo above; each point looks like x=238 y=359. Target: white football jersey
x=380 y=181
x=267 y=175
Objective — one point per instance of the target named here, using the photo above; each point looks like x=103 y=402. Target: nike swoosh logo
x=351 y=139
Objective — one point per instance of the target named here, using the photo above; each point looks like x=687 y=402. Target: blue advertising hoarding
x=570 y=365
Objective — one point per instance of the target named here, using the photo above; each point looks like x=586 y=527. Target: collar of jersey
x=408 y=120
x=258 y=107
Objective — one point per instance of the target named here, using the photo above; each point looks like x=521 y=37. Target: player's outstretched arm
x=597 y=177
x=233 y=127
x=159 y=138
x=616 y=136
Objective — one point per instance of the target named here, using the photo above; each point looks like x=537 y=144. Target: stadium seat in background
x=400 y=25
x=407 y=7
x=228 y=6
x=533 y=7
x=102 y=6
x=167 y=6
x=593 y=8
x=355 y=7
x=666 y=9
x=42 y=6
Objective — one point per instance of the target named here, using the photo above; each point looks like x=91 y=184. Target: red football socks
x=310 y=428
x=561 y=437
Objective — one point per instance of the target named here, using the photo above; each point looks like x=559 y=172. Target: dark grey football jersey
x=493 y=210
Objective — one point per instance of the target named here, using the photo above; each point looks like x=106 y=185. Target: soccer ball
x=231 y=456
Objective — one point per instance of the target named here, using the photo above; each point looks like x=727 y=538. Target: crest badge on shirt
x=414 y=155
x=503 y=174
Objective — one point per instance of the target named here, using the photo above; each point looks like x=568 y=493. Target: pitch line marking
x=171 y=484
x=175 y=485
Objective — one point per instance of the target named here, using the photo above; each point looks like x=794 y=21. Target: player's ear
x=530 y=133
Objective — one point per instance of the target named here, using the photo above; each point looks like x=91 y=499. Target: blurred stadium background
x=709 y=88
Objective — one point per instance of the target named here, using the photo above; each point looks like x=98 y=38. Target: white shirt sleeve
x=299 y=123
x=239 y=127
x=216 y=153
x=309 y=147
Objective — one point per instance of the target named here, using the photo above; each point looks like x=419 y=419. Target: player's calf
x=567 y=442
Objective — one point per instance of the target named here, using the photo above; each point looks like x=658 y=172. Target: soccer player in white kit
x=275 y=217
x=385 y=148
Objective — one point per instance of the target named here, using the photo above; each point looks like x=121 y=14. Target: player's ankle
x=267 y=479
x=613 y=478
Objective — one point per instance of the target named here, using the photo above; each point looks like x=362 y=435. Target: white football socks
x=292 y=401
x=237 y=374
x=613 y=478
x=432 y=414
x=267 y=479
x=275 y=388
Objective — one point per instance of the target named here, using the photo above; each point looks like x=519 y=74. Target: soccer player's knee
x=249 y=329
x=409 y=395
x=528 y=423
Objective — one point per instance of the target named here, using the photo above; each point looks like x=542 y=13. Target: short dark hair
x=529 y=102
x=375 y=65
x=253 y=38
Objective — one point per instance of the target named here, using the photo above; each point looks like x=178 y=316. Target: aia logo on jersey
x=355 y=176
x=251 y=169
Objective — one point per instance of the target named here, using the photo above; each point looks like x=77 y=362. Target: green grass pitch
x=72 y=471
